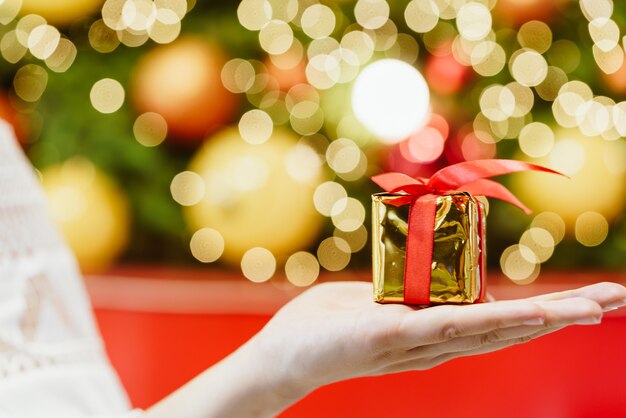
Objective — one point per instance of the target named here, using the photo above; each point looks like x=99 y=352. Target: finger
x=557 y=314
x=492 y=347
x=474 y=342
x=607 y=295
x=427 y=363
x=444 y=323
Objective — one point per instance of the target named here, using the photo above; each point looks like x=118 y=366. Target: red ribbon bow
x=421 y=194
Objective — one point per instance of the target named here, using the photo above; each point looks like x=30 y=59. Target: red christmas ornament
x=182 y=82
x=445 y=75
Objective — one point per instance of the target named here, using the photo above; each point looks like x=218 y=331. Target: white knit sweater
x=52 y=362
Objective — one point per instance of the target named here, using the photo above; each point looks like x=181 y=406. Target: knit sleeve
x=52 y=362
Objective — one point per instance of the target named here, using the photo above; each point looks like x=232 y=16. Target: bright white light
x=390 y=97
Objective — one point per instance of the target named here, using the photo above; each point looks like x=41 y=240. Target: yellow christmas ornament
x=89 y=209
x=257 y=193
x=596 y=168
x=61 y=12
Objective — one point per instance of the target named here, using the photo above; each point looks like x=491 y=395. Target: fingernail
x=614 y=305
x=590 y=320
x=534 y=321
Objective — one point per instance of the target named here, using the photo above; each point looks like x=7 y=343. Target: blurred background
x=177 y=133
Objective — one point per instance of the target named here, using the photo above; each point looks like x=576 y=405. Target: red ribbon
x=421 y=194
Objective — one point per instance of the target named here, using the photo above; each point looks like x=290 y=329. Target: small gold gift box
x=458 y=260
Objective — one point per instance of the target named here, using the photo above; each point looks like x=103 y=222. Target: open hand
x=335 y=331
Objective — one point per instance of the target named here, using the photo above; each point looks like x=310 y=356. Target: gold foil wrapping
x=456 y=270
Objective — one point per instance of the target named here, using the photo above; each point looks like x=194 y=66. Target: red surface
x=577 y=373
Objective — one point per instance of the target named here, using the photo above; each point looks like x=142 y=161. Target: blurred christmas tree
x=247 y=132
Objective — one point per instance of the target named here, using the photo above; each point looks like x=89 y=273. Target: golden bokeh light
x=150 y=129
x=179 y=7
x=421 y=16
x=610 y=60
x=356 y=239
x=285 y=10
x=371 y=14
x=404 y=49
x=187 y=188
x=327 y=195
x=43 y=41
x=524 y=99
x=256 y=126
x=384 y=37
x=63 y=57
x=540 y=242
x=487 y=58
x=497 y=102
x=30 y=82
x=515 y=265
x=535 y=35
x=9 y=10
x=596 y=9
x=302 y=269
x=276 y=37
x=107 y=95
x=529 y=68
x=12 y=50
x=238 y=75
x=138 y=15
x=323 y=71
x=166 y=27
x=306 y=117
x=348 y=214
x=605 y=33
x=536 y=139
x=343 y=155
x=591 y=229
x=322 y=46
x=258 y=264
x=360 y=44
x=112 y=14
x=551 y=222
x=207 y=245
x=618 y=113
x=318 y=21
x=291 y=58
x=549 y=88
x=473 y=21
x=132 y=39
x=348 y=64
x=25 y=25
x=334 y=254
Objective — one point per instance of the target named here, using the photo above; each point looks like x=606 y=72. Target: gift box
x=428 y=235
x=457 y=261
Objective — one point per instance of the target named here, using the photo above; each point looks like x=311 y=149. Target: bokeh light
x=107 y=95
x=334 y=253
x=207 y=245
x=591 y=229
x=150 y=129
x=258 y=264
x=391 y=99
x=302 y=268
x=187 y=188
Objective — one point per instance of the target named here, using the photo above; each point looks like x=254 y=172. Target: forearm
x=235 y=387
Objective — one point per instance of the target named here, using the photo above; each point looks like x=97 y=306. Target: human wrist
x=271 y=371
